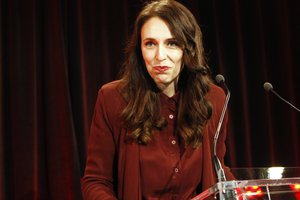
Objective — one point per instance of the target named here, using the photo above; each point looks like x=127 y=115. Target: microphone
x=217 y=164
x=269 y=88
x=227 y=193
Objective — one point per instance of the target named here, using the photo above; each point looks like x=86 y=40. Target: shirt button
x=176 y=170
x=171 y=116
x=173 y=142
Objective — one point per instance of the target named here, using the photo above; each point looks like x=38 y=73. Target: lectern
x=274 y=183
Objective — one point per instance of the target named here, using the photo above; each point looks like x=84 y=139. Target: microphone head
x=268 y=86
x=220 y=79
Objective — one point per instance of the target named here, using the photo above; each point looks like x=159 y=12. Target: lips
x=161 y=68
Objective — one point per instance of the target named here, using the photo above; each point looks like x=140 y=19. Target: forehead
x=155 y=28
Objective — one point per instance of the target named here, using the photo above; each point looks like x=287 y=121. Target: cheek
x=177 y=57
x=147 y=60
x=147 y=56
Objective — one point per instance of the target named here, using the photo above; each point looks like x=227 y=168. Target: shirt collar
x=174 y=98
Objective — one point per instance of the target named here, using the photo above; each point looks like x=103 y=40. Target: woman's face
x=161 y=54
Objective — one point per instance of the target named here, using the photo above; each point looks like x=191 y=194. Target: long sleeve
x=216 y=97
x=221 y=148
x=221 y=144
x=112 y=168
x=98 y=180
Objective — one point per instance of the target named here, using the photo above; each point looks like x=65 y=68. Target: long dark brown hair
x=142 y=113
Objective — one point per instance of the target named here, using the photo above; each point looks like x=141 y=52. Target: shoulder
x=111 y=91
x=110 y=96
x=216 y=94
x=110 y=104
x=110 y=88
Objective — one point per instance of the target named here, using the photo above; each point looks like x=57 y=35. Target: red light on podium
x=253 y=191
x=295 y=187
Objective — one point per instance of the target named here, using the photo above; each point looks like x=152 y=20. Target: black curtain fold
x=56 y=54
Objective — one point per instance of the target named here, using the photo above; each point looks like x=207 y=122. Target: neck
x=169 y=93
x=169 y=89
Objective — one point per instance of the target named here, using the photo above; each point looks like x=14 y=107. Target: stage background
x=56 y=54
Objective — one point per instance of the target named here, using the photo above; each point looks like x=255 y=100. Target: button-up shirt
x=168 y=170
x=116 y=169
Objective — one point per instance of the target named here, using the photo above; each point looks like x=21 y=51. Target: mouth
x=161 y=68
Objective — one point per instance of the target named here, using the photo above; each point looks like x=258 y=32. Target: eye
x=173 y=44
x=149 y=44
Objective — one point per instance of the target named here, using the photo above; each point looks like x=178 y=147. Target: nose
x=161 y=53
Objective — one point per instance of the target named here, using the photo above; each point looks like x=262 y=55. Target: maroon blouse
x=168 y=170
x=162 y=169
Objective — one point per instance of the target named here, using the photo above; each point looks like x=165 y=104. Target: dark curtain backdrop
x=56 y=54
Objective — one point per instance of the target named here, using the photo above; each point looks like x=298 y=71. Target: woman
x=152 y=131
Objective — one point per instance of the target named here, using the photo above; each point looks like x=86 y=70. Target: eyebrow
x=168 y=39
